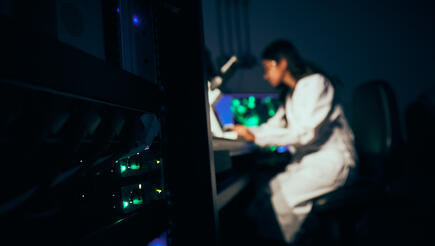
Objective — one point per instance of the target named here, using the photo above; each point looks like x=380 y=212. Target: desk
x=235 y=147
x=230 y=186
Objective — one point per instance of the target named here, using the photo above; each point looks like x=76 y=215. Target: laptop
x=222 y=120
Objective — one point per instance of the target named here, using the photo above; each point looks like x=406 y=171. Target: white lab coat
x=321 y=141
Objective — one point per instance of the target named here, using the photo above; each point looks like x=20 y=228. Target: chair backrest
x=376 y=126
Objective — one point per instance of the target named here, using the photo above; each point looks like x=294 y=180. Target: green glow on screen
x=254 y=120
x=251 y=112
x=123 y=168
x=241 y=109
x=125 y=204
x=251 y=102
x=236 y=102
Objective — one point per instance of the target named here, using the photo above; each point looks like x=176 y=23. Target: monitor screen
x=246 y=109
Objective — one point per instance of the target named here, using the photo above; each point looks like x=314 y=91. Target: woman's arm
x=249 y=133
x=311 y=103
x=244 y=132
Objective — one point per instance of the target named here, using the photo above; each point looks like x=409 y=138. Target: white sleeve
x=276 y=121
x=312 y=101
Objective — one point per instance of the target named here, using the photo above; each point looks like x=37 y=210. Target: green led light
x=123 y=168
x=125 y=204
x=118 y=221
x=159 y=191
x=158 y=162
x=271 y=112
x=273 y=148
x=135 y=166
x=116 y=161
x=137 y=201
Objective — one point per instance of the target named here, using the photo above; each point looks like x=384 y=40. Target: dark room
x=217 y=122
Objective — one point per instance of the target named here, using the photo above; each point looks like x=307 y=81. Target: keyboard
x=235 y=147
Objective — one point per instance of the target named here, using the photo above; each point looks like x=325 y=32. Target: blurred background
x=354 y=41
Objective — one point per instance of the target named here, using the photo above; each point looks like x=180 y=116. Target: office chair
x=376 y=127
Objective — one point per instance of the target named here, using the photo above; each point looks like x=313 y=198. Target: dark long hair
x=297 y=66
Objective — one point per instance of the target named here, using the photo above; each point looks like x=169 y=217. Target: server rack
x=113 y=149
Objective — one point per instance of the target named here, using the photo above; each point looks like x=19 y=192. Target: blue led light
x=157 y=242
x=160 y=241
x=136 y=20
x=282 y=149
x=117 y=10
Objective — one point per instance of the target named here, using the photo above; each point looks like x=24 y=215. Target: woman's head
x=279 y=58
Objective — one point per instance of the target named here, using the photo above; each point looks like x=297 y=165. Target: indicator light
x=136 y=20
x=282 y=149
x=137 y=201
x=123 y=168
x=135 y=166
x=118 y=221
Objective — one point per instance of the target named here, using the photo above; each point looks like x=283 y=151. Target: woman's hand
x=244 y=132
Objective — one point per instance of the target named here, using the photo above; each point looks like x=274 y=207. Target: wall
x=354 y=40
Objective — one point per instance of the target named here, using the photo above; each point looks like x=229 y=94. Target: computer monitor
x=249 y=109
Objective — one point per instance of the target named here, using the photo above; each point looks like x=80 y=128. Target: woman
x=313 y=125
